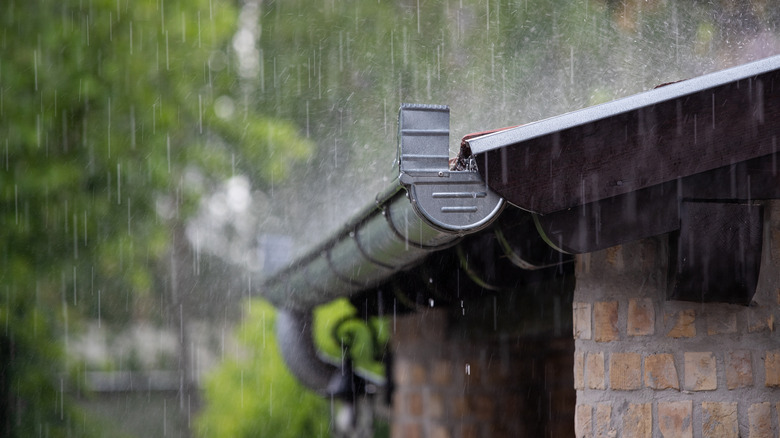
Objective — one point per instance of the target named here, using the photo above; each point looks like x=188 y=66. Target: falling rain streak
x=168 y=150
x=108 y=128
x=118 y=184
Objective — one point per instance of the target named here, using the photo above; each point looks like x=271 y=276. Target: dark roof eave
x=641 y=141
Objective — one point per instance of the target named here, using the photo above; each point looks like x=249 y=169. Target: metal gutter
x=427 y=208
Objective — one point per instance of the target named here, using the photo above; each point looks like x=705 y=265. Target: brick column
x=647 y=367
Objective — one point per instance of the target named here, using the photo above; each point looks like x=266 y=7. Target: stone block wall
x=451 y=385
x=647 y=367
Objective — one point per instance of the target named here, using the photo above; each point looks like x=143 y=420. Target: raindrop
x=428 y=82
x=392 y=51
x=341 y=54
x=760 y=96
x=167 y=61
x=65 y=317
x=713 y=110
x=62 y=398
x=406 y=46
x=319 y=76
x=571 y=65
x=271 y=399
x=418 y=16
x=262 y=70
x=487 y=15
x=118 y=184
x=492 y=62
x=75 y=237
x=35 y=68
x=263 y=320
x=75 y=290
x=132 y=127
x=438 y=62
x=162 y=14
x=168 y=150
x=200 y=114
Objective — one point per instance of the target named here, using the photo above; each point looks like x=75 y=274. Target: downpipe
x=294 y=333
x=296 y=344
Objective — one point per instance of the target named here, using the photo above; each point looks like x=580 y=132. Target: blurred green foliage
x=253 y=394
x=107 y=119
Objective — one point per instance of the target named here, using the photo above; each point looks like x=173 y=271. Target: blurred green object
x=110 y=132
x=253 y=394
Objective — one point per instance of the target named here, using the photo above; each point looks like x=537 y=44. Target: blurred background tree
x=115 y=118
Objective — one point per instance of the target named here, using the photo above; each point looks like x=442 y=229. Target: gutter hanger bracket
x=449 y=200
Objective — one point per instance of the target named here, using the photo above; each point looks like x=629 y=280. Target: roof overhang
x=671 y=132
x=641 y=166
x=695 y=159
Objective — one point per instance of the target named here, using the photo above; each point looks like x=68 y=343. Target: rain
x=162 y=160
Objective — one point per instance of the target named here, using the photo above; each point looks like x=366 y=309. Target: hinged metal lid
x=450 y=200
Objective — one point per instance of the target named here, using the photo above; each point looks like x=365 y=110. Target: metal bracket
x=716 y=255
x=454 y=201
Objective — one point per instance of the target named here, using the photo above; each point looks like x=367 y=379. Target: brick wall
x=647 y=367
x=452 y=384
